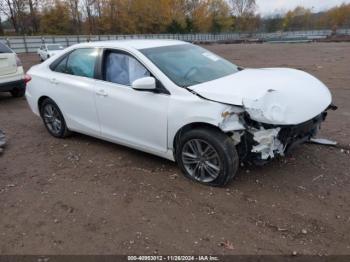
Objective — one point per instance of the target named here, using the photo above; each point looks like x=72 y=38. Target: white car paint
x=44 y=51
x=79 y=109
x=149 y=121
x=271 y=95
x=11 y=69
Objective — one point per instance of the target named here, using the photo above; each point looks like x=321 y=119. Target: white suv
x=11 y=72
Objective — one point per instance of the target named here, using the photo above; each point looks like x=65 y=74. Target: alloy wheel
x=201 y=160
x=52 y=119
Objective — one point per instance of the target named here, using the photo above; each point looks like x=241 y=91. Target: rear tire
x=207 y=156
x=18 y=92
x=53 y=119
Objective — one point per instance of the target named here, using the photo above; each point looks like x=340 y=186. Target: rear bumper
x=6 y=87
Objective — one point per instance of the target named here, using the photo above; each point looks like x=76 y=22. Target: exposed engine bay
x=258 y=142
x=262 y=142
x=269 y=119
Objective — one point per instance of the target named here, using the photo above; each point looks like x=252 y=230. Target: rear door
x=72 y=88
x=8 y=64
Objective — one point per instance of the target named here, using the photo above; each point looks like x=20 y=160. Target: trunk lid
x=8 y=64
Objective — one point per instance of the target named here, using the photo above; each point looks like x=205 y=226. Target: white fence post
x=8 y=42
x=25 y=44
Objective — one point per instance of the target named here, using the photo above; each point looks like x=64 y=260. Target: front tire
x=207 y=156
x=53 y=119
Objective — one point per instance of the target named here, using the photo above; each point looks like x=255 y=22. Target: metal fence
x=28 y=44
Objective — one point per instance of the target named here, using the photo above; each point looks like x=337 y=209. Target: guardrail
x=28 y=44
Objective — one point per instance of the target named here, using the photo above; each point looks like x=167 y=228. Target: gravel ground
x=86 y=196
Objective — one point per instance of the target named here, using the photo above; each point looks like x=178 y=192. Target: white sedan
x=178 y=101
x=49 y=50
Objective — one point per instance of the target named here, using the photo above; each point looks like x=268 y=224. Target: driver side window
x=123 y=69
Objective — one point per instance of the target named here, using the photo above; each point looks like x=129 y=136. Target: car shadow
x=269 y=173
x=247 y=174
x=124 y=150
x=5 y=96
x=6 y=99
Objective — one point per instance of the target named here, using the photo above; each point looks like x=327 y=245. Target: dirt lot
x=85 y=196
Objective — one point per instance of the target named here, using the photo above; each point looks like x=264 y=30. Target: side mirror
x=144 y=84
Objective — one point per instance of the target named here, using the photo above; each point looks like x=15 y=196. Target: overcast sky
x=267 y=7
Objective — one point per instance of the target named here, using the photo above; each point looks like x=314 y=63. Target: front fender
x=201 y=111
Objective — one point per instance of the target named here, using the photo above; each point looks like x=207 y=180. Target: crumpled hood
x=278 y=96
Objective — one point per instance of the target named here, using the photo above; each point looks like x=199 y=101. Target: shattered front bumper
x=262 y=142
x=293 y=136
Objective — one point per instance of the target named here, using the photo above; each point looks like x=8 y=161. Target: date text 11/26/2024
x=173 y=258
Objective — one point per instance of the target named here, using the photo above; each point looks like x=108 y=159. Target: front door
x=130 y=117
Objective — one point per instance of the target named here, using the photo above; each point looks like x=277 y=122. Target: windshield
x=188 y=65
x=54 y=47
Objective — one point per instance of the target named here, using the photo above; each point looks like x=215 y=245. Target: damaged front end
x=271 y=109
x=258 y=142
x=263 y=142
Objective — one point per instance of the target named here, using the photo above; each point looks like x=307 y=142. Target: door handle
x=101 y=92
x=54 y=81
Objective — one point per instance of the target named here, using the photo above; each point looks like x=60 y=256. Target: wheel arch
x=190 y=126
x=40 y=102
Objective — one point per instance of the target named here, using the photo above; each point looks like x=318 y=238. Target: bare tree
x=33 y=11
x=92 y=12
x=15 y=12
x=75 y=14
x=98 y=7
x=1 y=13
x=8 y=9
x=1 y=29
x=190 y=6
x=243 y=7
x=244 y=13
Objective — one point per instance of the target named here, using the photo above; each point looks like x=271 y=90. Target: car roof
x=136 y=44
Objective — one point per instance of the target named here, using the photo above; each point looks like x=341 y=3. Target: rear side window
x=4 y=49
x=61 y=67
x=80 y=62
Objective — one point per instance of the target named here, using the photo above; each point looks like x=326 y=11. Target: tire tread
x=65 y=132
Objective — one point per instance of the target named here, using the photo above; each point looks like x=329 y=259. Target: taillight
x=18 y=61
x=27 y=78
